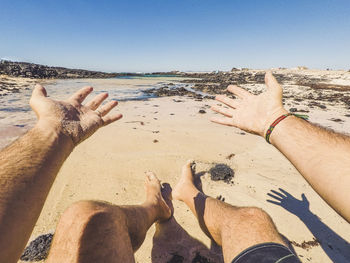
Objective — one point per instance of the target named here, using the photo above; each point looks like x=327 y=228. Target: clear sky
x=162 y=35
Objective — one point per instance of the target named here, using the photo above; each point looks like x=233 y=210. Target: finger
x=303 y=197
x=285 y=192
x=107 y=108
x=111 y=118
x=275 y=197
x=273 y=202
x=39 y=92
x=223 y=121
x=272 y=84
x=241 y=93
x=81 y=94
x=278 y=193
x=96 y=102
x=226 y=100
x=223 y=111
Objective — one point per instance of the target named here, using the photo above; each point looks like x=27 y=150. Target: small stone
x=202 y=111
x=221 y=172
x=336 y=120
x=230 y=156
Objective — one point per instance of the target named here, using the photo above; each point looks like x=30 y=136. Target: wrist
x=53 y=133
x=272 y=117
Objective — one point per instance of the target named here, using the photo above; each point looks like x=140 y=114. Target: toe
x=187 y=168
x=152 y=178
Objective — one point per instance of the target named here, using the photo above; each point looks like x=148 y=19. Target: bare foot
x=185 y=188
x=154 y=197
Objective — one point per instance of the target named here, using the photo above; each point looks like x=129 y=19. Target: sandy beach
x=159 y=135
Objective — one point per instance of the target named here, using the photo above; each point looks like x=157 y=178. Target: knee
x=256 y=220
x=82 y=212
x=251 y=218
x=256 y=214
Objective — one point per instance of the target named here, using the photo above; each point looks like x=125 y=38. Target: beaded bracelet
x=278 y=120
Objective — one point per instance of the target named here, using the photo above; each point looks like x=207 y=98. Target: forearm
x=28 y=169
x=321 y=156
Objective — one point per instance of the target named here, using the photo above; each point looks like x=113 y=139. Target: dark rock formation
x=38 y=249
x=221 y=172
x=30 y=70
x=167 y=91
x=216 y=83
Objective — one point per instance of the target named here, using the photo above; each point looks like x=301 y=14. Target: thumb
x=272 y=84
x=304 y=198
x=38 y=94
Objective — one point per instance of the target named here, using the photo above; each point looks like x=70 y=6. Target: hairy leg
x=233 y=228
x=91 y=231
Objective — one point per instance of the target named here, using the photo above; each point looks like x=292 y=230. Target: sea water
x=16 y=115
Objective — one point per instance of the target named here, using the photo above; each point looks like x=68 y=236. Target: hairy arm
x=321 y=156
x=28 y=169
x=30 y=164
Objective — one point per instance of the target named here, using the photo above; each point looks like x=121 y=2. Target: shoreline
x=305 y=91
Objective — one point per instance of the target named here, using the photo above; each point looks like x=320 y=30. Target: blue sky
x=162 y=35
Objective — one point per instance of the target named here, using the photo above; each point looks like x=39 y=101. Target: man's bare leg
x=91 y=231
x=233 y=228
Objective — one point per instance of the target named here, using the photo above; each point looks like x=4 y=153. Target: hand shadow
x=336 y=248
x=172 y=243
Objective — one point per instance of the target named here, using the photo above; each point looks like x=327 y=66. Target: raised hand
x=251 y=113
x=70 y=117
x=289 y=202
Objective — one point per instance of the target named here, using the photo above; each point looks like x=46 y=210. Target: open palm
x=70 y=117
x=251 y=113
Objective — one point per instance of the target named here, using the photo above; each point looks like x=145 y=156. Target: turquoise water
x=15 y=109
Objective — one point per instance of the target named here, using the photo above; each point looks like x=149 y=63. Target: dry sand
x=160 y=135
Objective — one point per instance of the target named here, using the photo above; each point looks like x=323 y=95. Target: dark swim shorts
x=266 y=253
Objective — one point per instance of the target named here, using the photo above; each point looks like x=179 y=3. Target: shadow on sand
x=336 y=248
x=172 y=243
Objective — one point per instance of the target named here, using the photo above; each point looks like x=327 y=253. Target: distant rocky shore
x=303 y=89
x=213 y=83
x=36 y=71
x=315 y=87
x=209 y=84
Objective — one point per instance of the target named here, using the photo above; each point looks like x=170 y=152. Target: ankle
x=189 y=194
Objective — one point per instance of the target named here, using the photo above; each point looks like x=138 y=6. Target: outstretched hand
x=289 y=202
x=251 y=113
x=70 y=117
